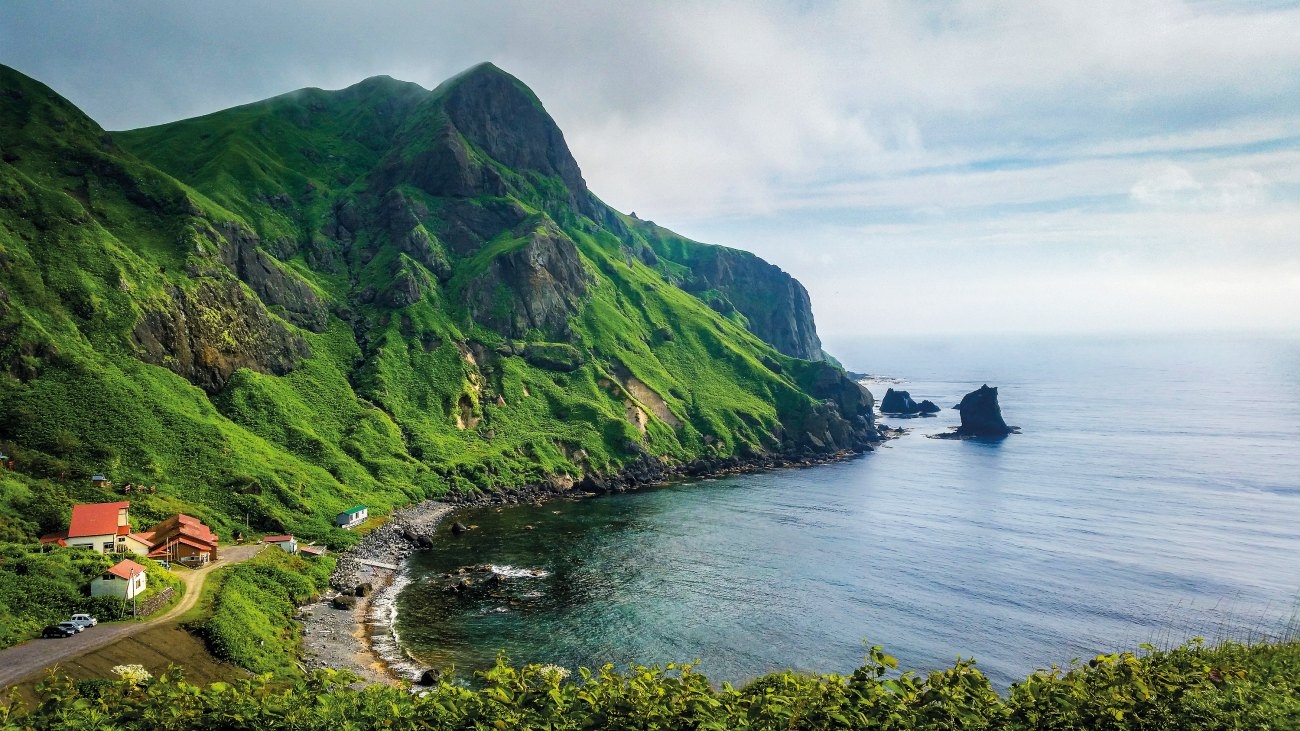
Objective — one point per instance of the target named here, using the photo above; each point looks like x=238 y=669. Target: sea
x=1151 y=496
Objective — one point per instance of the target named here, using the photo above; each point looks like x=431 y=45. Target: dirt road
x=33 y=656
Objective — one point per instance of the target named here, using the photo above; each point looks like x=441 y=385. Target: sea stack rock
x=928 y=407
x=898 y=402
x=980 y=414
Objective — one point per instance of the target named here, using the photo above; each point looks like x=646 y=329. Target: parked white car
x=85 y=620
x=70 y=625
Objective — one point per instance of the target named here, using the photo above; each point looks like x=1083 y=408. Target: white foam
x=513 y=572
x=384 y=639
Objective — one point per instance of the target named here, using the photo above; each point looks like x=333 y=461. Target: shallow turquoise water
x=1154 y=495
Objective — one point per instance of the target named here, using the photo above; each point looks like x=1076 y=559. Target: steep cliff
x=380 y=293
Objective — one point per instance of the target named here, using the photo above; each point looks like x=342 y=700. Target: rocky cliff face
x=210 y=331
x=776 y=307
x=535 y=287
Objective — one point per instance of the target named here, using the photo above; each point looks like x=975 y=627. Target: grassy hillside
x=373 y=295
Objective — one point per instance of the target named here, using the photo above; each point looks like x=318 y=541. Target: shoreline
x=363 y=639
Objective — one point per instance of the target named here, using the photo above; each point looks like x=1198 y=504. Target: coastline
x=363 y=639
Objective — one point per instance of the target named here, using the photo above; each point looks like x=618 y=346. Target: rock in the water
x=458 y=527
x=364 y=589
x=928 y=407
x=430 y=677
x=898 y=402
x=980 y=414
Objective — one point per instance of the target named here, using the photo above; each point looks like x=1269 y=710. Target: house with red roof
x=124 y=580
x=106 y=527
x=288 y=544
x=183 y=538
x=99 y=527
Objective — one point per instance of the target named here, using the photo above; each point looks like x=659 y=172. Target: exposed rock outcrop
x=502 y=117
x=214 y=329
x=533 y=287
x=775 y=305
x=843 y=420
x=269 y=279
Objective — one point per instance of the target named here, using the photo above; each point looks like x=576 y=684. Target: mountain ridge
x=333 y=297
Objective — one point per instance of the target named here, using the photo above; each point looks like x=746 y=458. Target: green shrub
x=1232 y=686
x=252 y=624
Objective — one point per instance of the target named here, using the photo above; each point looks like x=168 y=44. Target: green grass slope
x=374 y=295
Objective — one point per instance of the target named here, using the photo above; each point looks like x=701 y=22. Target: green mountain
x=373 y=295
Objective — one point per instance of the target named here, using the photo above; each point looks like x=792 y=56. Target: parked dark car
x=57 y=631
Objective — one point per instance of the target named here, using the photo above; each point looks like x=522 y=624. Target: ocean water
x=1153 y=496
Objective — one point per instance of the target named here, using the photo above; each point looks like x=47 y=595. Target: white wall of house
x=118 y=587
x=99 y=544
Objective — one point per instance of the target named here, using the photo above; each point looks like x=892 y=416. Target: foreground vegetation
x=248 y=618
x=1232 y=686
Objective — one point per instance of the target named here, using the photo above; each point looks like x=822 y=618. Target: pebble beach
x=360 y=638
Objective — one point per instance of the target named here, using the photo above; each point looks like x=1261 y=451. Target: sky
x=924 y=168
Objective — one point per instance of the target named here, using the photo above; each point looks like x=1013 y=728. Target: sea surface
x=1152 y=496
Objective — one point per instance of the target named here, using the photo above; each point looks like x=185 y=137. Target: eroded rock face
x=535 y=287
x=980 y=414
x=211 y=331
x=843 y=420
x=272 y=282
x=775 y=304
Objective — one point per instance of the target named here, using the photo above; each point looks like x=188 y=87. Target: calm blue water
x=1154 y=495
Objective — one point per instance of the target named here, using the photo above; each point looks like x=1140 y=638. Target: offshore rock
x=928 y=407
x=980 y=416
x=899 y=402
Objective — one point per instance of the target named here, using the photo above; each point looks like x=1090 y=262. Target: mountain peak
x=500 y=115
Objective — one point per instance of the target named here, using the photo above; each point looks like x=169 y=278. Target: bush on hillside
x=1233 y=686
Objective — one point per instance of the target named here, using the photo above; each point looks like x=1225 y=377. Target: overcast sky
x=921 y=167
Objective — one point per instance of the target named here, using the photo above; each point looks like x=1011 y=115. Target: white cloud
x=1173 y=186
x=1082 y=136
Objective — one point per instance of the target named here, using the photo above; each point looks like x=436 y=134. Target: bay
x=1153 y=496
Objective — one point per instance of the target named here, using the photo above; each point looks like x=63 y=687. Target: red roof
x=198 y=532
x=97 y=519
x=278 y=539
x=125 y=568
x=55 y=538
x=162 y=551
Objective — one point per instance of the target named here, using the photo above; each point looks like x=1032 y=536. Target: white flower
x=553 y=673
x=133 y=674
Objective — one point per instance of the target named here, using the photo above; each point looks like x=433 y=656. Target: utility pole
x=133 y=593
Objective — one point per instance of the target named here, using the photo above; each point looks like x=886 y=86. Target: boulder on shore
x=980 y=414
x=898 y=402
